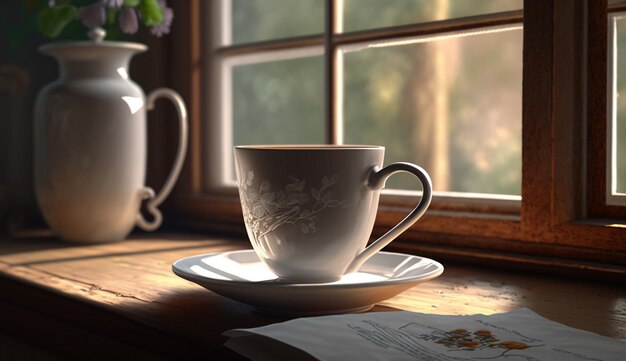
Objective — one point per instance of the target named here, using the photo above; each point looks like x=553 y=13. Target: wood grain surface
x=122 y=300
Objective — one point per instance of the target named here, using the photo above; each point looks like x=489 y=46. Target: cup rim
x=304 y=147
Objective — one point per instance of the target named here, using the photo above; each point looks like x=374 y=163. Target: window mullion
x=333 y=87
x=431 y=28
x=553 y=117
x=569 y=109
x=537 y=118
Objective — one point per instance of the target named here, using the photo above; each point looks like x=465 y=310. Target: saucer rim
x=179 y=271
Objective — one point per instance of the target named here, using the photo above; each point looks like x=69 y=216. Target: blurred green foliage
x=53 y=20
x=279 y=102
x=482 y=83
x=254 y=20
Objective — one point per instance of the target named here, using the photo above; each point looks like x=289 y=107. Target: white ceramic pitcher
x=90 y=144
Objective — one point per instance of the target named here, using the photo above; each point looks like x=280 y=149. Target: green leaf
x=111 y=16
x=151 y=12
x=131 y=3
x=53 y=20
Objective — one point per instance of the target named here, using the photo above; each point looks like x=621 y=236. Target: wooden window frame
x=563 y=222
x=598 y=129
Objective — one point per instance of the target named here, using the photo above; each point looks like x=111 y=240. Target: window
x=270 y=73
x=537 y=187
x=616 y=109
x=467 y=132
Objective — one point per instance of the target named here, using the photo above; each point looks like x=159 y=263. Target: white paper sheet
x=518 y=335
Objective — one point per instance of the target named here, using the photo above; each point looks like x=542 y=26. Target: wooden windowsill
x=122 y=301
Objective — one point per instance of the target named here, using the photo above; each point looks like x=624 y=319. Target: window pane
x=452 y=106
x=368 y=14
x=279 y=102
x=257 y=20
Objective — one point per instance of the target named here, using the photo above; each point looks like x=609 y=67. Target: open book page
x=517 y=335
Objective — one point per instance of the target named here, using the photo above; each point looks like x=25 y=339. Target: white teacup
x=309 y=210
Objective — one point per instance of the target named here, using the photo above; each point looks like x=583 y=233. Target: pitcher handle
x=376 y=180
x=148 y=193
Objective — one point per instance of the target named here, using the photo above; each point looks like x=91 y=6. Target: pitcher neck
x=86 y=59
x=100 y=68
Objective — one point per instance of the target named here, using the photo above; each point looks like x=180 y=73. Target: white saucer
x=241 y=276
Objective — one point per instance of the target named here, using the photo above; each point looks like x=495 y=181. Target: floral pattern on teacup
x=265 y=210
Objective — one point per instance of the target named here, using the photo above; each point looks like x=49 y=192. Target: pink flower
x=92 y=15
x=128 y=20
x=163 y=27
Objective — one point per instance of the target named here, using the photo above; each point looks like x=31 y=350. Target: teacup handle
x=376 y=180
x=148 y=193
